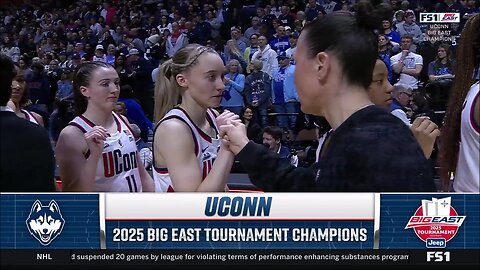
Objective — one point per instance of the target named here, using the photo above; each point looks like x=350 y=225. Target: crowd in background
x=256 y=39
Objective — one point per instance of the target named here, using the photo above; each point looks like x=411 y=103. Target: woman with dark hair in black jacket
x=254 y=131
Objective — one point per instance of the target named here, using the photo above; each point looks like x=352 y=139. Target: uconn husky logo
x=45 y=223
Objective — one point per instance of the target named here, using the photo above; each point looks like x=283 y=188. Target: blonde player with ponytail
x=188 y=153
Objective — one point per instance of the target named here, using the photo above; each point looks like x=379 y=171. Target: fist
x=227 y=116
x=95 y=139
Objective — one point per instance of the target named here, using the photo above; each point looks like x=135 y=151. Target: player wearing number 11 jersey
x=117 y=168
x=97 y=151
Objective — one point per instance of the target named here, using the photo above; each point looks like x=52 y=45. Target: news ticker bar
x=238 y=257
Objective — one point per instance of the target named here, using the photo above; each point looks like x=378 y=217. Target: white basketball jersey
x=117 y=169
x=29 y=116
x=206 y=148
x=467 y=177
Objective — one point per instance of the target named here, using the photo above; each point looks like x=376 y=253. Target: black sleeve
x=254 y=132
x=374 y=159
x=144 y=70
x=248 y=90
x=44 y=164
x=268 y=173
x=265 y=98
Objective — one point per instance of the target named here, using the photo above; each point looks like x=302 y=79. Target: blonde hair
x=167 y=90
x=233 y=47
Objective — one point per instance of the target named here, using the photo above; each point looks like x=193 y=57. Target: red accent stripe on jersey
x=27 y=115
x=170 y=189
x=123 y=120
x=87 y=154
x=77 y=126
x=204 y=170
x=119 y=126
x=472 y=112
x=90 y=123
x=211 y=119
x=202 y=133
x=161 y=170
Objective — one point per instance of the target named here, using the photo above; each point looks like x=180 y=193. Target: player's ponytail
x=167 y=92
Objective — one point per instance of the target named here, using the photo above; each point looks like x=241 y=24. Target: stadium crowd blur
x=48 y=39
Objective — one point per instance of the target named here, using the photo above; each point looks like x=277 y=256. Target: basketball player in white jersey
x=380 y=93
x=188 y=154
x=19 y=99
x=460 y=151
x=97 y=150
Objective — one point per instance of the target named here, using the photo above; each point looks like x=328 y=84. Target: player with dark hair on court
x=188 y=155
x=424 y=129
x=97 y=150
x=27 y=163
x=19 y=99
x=368 y=146
x=460 y=137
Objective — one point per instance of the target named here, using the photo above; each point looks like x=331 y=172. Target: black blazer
x=27 y=162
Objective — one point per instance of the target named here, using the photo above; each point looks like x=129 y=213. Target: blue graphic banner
x=53 y=221
x=239 y=234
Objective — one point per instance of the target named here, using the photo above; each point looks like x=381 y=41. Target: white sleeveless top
x=467 y=177
x=29 y=116
x=206 y=148
x=117 y=169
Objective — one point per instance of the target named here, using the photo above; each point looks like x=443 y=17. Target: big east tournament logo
x=435 y=222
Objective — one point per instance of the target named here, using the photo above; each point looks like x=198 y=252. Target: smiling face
x=233 y=66
x=248 y=114
x=204 y=81
x=269 y=140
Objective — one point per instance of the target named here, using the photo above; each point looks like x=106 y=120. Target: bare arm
x=147 y=182
x=397 y=67
x=413 y=72
x=179 y=157
x=76 y=172
x=433 y=78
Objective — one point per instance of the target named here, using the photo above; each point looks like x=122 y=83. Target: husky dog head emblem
x=45 y=223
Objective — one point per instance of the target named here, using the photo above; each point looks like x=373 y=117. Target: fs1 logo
x=435 y=222
x=439 y=17
x=438 y=256
x=45 y=223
